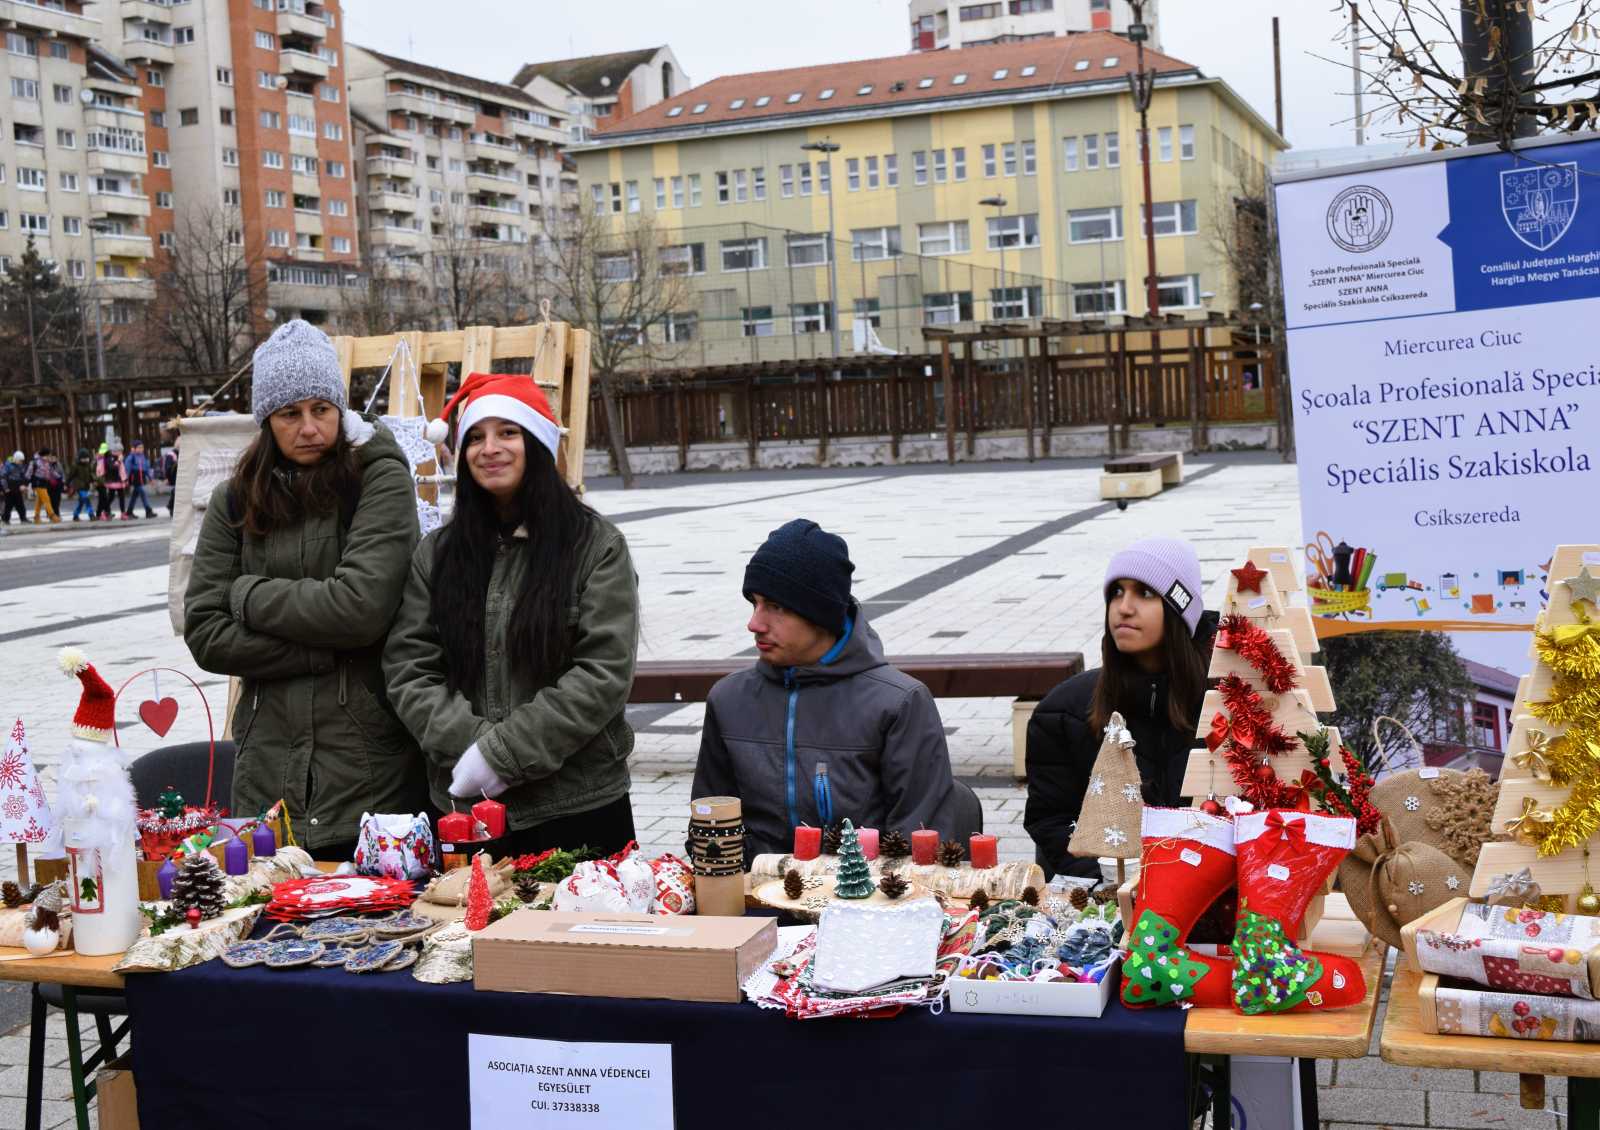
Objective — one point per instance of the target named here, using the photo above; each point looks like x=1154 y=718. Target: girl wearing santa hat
x=513 y=653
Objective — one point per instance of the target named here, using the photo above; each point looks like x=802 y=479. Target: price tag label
x=1428 y=773
x=1190 y=856
x=519 y=1082
x=1590 y=557
x=1258 y=602
x=1278 y=871
x=1278 y=558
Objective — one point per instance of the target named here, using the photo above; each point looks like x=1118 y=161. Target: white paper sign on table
x=551 y=1083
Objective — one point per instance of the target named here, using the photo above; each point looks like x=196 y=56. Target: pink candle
x=984 y=850
x=492 y=815
x=807 y=843
x=924 y=845
x=868 y=838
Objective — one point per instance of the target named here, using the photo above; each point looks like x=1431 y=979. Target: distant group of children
x=107 y=484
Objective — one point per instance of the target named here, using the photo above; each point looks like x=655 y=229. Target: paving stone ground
x=984 y=558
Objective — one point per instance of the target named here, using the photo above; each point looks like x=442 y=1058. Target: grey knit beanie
x=296 y=363
x=1169 y=568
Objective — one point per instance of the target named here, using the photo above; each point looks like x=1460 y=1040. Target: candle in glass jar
x=492 y=815
x=924 y=845
x=455 y=828
x=868 y=839
x=984 y=850
x=235 y=857
x=262 y=841
x=807 y=843
x=164 y=877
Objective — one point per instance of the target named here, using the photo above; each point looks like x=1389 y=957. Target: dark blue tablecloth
x=220 y=1047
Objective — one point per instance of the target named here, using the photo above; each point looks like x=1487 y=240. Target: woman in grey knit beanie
x=298 y=571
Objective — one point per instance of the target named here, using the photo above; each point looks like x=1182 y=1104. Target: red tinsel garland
x=1251 y=737
x=1248 y=641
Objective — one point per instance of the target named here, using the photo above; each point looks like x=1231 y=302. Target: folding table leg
x=1583 y=1104
x=40 y=1013
x=1309 y=1117
x=81 y=1090
x=1221 y=1092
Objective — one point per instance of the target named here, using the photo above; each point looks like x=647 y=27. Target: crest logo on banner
x=1360 y=218
x=1540 y=204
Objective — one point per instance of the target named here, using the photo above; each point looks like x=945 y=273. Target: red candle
x=807 y=843
x=984 y=850
x=492 y=815
x=868 y=839
x=455 y=828
x=924 y=845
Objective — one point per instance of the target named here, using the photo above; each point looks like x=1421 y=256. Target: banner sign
x=1444 y=341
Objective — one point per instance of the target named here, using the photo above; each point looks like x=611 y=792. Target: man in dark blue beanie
x=822 y=727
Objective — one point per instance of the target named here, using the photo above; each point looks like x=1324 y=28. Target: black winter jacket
x=1062 y=746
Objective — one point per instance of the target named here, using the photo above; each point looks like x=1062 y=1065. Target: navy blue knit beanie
x=805 y=569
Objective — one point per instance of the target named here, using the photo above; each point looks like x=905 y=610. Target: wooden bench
x=1025 y=677
x=1140 y=476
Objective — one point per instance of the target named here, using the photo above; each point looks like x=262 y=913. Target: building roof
x=918 y=79
x=1491 y=678
x=593 y=76
x=498 y=91
x=367 y=123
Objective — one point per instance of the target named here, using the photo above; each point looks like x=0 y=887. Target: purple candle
x=263 y=841
x=235 y=857
x=164 y=877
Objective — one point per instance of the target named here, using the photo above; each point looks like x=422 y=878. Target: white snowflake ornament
x=1414 y=887
x=1413 y=803
x=1130 y=793
x=1115 y=837
x=1097 y=786
x=1453 y=883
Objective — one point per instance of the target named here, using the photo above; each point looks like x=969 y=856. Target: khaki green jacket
x=561 y=741
x=300 y=616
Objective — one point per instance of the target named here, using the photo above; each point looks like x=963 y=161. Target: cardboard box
x=1035 y=998
x=673 y=957
x=118 y=1102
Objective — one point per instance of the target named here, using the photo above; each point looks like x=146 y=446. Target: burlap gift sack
x=1113 y=804
x=1390 y=883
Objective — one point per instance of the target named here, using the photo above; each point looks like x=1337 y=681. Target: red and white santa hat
x=96 y=716
x=509 y=396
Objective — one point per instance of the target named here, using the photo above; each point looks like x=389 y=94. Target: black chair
x=966 y=812
x=181 y=767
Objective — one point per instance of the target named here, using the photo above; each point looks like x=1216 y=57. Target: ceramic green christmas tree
x=854 y=880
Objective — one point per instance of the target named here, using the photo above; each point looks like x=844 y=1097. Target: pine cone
x=895 y=845
x=1079 y=898
x=831 y=836
x=979 y=900
x=893 y=885
x=950 y=853
x=1030 y=895
x=199 y=884
x=10 y=894
x=527 y=888
x=793 y=885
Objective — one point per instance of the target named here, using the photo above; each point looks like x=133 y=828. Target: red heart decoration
x=159 y=715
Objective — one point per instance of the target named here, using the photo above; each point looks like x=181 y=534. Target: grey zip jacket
x=769 y=732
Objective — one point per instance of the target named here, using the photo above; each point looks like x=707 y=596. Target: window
x=58 y=50
x=163 y=200
x=919 y=167
x=66 y=138
x=183 y=36
x=694 y=190
x=77 y=269
x=224 y=116
x=758 y=183
x=764 y=100
x=1096 y=299
x=827 y=93
x=744 y=255
x=1113 y=151
x=1186 y=143
x=1091 y=151
x=741 y=186
x=891 y=170
x=980 y=11
x=677 y=192
x=1171 y=217
x=633 y=195
x=154 y=78
x=338 y=207
x=867 y=310
x=923 y=84
x=679 y=327
x=825 y=178
x=159 y=159
x=684 y=259
x=270 y=119
x=724 y=189
x=988 y=161
x=266 y=80
x=335 y=168
x=277 y=238
x=71 y=225
x=167 y=241
x=852 y=174
x=1008 y=158
x=158 y=118
x=810 y=317
x=943 y=238
x=805 y=179
x=1030 y=161
x=1091 y=225
x=785 y=181
x=333 y=131
x=946 y=309
x=1000 y=74
x=276 y=198
x=793 y=98
x=1069 y=154
x=958 y=162
x=266 y=41
x=26 y=89
x=1015 y=302
x=872 y=172
x=230 y=198
x=808 y=250
x=1023 y=7
x=1164 y=142
x=1013 y=231
x=598 y=194
x=33 y=222
x=62 y=94
x=756 y=321
x=230 y=157
x=69 y=182
x=699 y=108
x=1485 y=725
x=874 y=243
x=941 y=171
x=619 y=267
x=271 y=159
x=341 y=244
x=329 y=92
x=1178 y=290
x=19 y=44
x=225 y=76
x=31 y=178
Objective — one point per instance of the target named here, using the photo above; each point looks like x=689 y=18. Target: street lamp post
x=998 y=203
x=827 y=149
x=1142 y=83
x=94 y=293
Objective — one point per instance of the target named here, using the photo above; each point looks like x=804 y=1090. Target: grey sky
x=1231 y=39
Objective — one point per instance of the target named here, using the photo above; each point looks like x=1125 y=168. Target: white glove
x=473 y=777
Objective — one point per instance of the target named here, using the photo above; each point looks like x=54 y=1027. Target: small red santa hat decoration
x=509 y=396
x=96 y=717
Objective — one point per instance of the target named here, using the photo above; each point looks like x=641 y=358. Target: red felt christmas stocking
x=1284 y=858
x=1186 y=862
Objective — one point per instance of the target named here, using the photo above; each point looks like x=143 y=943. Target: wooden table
x=1025 y=675
x=1404 y=1042
x=1211 y=1035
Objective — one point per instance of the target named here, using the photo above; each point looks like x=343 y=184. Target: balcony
x=392 y=202
x=533 y=131
x=431 y=108
x=146 y=11
x=113 y=162
x=302 y=63
x=308 y=222
x=481 y=150
x=304 y=185
x=397 y=238
x=119 y=204
x=137 y=49
x=136 y=290
x=308 y=255
x=391 y=167
x=294 y=23
x=303 y=144
x=124 y=245
x=53 y=21
x=112 y=117
x=495 y=185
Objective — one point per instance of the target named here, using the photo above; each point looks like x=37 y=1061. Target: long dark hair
x=270 y=493
x=1183 y=661
x=559 y=527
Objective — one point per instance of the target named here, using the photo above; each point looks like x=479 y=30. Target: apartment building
x=953 y=169
x=451 y=165
x=940 y=24
x=596 y=90
x=73 y=170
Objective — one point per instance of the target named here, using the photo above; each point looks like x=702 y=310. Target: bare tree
x=467 y=273
x=1448 y=71
x=209 y=290
x=629 y=289
x=387 y=300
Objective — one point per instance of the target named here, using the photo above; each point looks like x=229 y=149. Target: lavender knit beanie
x=1167 y=567
x=296 y=363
